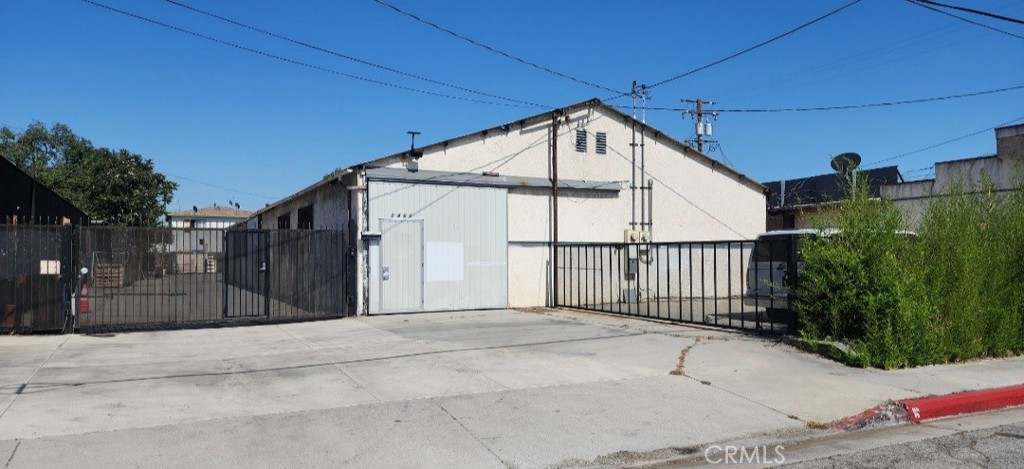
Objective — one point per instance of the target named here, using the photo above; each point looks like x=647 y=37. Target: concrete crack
x=333 y=363
x=752 y=401
x=33 y=375
x=17 y=444
x=680 y=369
x=505 y=463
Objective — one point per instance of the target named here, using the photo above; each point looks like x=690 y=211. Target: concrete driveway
x=473 y=389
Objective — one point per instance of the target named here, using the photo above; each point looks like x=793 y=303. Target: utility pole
x=700 y=124
x=702 y=128
x=554 y=207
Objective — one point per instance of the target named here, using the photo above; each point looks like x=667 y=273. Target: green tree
x=116 y=186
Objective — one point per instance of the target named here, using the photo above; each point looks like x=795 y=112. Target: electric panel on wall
x=460 y=260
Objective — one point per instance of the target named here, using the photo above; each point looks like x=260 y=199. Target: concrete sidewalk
x=473 y=389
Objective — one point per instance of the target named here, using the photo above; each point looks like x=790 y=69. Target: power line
x=346 y=56
x=726 y=158
x=749 y=49
x=881 y=104
x=971 y=10
x=174 y=176
x=495 y=50
x=918 y=170
x=851 y=106
x=902 y=155
x=968 y=20
x=870 y=55
x=296 y=62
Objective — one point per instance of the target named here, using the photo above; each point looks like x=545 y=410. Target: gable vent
x=601 y=143
x=581 y=141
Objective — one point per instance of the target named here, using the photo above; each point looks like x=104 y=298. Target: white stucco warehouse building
x=468 y=223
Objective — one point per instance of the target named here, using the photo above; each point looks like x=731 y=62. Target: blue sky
x=232 y=125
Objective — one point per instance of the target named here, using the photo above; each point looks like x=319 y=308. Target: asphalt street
x=1000 y=446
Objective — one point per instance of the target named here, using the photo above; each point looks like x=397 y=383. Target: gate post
x=792 y=279
x=266 y=275
x=224 y=275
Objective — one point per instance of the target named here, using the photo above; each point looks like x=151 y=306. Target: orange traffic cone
x=83 y=299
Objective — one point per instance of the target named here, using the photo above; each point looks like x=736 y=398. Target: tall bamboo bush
x=954 y=291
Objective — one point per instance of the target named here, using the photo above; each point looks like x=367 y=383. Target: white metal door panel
x=401 y=265
x=464 y=244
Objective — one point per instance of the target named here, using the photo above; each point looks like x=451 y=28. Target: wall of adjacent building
x=330 y=209
x=969 y=175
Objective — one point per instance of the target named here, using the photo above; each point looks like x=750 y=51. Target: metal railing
x=735 y=284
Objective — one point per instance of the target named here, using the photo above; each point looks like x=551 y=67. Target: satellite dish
x=195 y=209
x=846 y=162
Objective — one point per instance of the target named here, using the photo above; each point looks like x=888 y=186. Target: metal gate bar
x=721 y=283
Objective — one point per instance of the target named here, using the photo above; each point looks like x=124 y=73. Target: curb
x=883 y=415
x=933 y=407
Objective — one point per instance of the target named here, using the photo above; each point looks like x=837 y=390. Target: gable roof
x=547 y=115
x=825 y=188
x=217 y=211
x=534 y=119
x=16 y=198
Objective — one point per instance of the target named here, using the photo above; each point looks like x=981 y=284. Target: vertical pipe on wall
x=650 y=209
x=632 y=162
x=644 y=220
x=554 y=206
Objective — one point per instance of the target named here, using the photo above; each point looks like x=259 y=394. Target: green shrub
x=955 y=292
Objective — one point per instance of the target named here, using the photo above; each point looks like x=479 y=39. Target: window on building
x=259 y=222
x=284 y=222
x=581 y=141
x=601 y=143
x=305 y=218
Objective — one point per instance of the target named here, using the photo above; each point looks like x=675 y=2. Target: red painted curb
x=933 y=407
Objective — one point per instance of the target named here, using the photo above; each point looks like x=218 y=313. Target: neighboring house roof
x=216 y=211
x=544 y=116
x=825 y=188
x=16 y=198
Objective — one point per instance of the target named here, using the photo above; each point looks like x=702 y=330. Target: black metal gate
x=36 y=277
x=246 y=274
x=735 y=284
x=180 y=276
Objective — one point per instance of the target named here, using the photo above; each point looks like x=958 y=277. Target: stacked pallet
x=109 y=275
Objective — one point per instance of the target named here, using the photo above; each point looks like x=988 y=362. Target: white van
x=777 y=255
